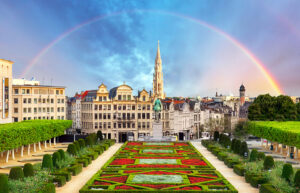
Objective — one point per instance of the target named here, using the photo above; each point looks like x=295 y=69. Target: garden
x=56 y=169
x=260 y=171
x=157 y=167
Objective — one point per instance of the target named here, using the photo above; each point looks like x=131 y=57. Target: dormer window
x=144 y=98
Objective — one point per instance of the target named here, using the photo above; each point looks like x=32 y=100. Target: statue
x=157 y=109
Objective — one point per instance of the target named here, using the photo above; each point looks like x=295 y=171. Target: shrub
x=253 y=155
x=297 y=179
x=77 y=145
x=81 y=143
x=99 y=135
x=239 y=169
x=232 y=144
x=62 y=154
x=28 y=170
x=88 y=141
x=216 y=135
x=64 y=173
x=3 y=183
x=237 y=146
x=48 y=188
x=71 y=149
x=261 y=156
x=55 y=159
x=256 y=180
x=244 y=149
x=75 y=169
x=16 y=173
x=47 y=162
x=267 y=188
x=60 y=180
x=268 y=163
x=287 y=172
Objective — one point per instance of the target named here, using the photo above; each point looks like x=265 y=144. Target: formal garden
x=157 y=167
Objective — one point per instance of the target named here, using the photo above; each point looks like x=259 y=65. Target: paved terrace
x=237 y=181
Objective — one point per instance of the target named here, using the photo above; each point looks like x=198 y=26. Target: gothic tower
x=242 y=94
x=158 y=84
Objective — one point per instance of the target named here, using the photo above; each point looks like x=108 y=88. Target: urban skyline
x=113 y=42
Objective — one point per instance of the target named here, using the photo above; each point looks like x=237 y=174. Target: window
x=108 y=107
x=16 y=91
x=100 y=107
x=104 y=116
x=15 y=110
x=108 y=116
x=100 y=115
x=143 y=115
x=44 y=101
x=104 y=98
x=29 y=101
x=35 y=101
x=58 y=100
x=139 y=107
x=29 y=110
x=24 y=110
x=44 y=110
x=108 y=125
x=23 y=91
x=24 y=100
x=129 y=97
x=115 y=107
x=139 y=125
x=148 y=125
x=124 y=107
x=28 y=91
x=35 y=110
x=40 y=110
x=133 y=107
x=96 y=116
x=144 y=98
x=119 y=97
x=139 y=115
x=144 y=107
x=48 y=109
x=52 y=101
x=62 y=101
x=57 y=92
x=52 y=109
x=124 y=97
x=16 y=101
x=148 y=115
x=100 y=125
x=96 y=107
x=58 y=109
x=133 y=125
x=119 y=107
x=148 y=107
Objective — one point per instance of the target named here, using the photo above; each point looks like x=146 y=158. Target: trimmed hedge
x=3 y=183
x=16 y=173
x=60 y=180
x=287 y=133
x=14 y=135
x=267 y=188
x=62 y=154
x=297 y=179
x=253 y=155
x=256 y=180
x=55 y=158
x=72 y=149
x=268 y=163
x=75 y=169
x=239 y=169
x=47 y=162
x=230 y=163
x=63 y=172
x=287 y=172
x=28 y=170
x=48 y=188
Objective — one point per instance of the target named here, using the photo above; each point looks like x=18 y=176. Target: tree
x=28 y=170
x=16 y=173
x=47 y=162
x=3 y=183
x=244 y=149
x=287 y=172
x=253 y=155
x=269 y=162
x=241 y=130
x=214 y=124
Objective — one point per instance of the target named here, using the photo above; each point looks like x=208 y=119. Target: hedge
x=3 y=183
x=75 y=169
x=267 y=188
x=287 y=133
x=239 y=169
x=60 y=180
x=256 y=180
x=14 y=135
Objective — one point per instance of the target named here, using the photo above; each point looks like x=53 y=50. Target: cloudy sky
x=205 y=45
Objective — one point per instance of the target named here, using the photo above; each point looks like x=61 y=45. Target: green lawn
x=159 y=179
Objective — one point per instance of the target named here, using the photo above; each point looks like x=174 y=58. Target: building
x=117 y=112
x=6 y=91
x=34 y=101
x=158 y=83
x=242 y=94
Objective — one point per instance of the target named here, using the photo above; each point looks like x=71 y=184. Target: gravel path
x=237 y=181
x=77 y=182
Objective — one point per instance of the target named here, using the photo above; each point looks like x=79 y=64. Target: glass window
x=119 y=97
x=16 y=101
x=16 y=91
x=129 y=97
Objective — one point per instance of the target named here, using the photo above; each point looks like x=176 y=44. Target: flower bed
x=181 y=168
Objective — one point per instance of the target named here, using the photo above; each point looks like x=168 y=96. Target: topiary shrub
x=81 y=143
x=77 y=145
x=261 y=156
x=287 y=172
x=237 y=146
x=99 y=135
x=297 y=179
x=244 y=149
x=47 y=162
x=268 y=163
x=48 y=188
x=88 y=141
x=62 y=154
x=28 y=170
x=55 y=158
x=16 y=173
x=216 y=135
x=253 y=155
x=3 y=183
x=71 y=149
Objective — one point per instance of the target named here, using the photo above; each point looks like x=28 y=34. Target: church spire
x=158 y=59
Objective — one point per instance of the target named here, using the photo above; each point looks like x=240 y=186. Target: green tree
x=269 y=162
x=3 y=183
x=285 y=108
x=241 y=130
x=16 y=173
x=28 y=170
x=287 y=172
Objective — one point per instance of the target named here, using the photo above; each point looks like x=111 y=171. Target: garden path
x=77 y=182
x=237 y=181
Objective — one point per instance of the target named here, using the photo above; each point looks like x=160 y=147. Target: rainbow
x=235 y=42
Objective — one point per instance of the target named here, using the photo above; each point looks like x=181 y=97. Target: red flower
x=134 y=143
x=189 y=188
x=121 y=179
x=194 y=162
x=184 y=172
x=102 y=183
x=181 y=144
x=157 y=186
x=216 y=183
x=124 y=187
x=209 y=175
x=163 y=157
x=122 y=161
x=159 y=173
x=131 y=171
x=157 y=166
x=198 y=179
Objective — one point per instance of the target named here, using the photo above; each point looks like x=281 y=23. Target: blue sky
x=122 y=47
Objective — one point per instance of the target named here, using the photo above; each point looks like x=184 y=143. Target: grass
x=155 y=179
x=158 y=161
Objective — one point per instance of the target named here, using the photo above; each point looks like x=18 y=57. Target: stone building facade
x=5 y=91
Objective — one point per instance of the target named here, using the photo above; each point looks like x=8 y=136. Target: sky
x=204 y=45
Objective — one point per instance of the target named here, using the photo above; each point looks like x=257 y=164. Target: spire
x=158 y=59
